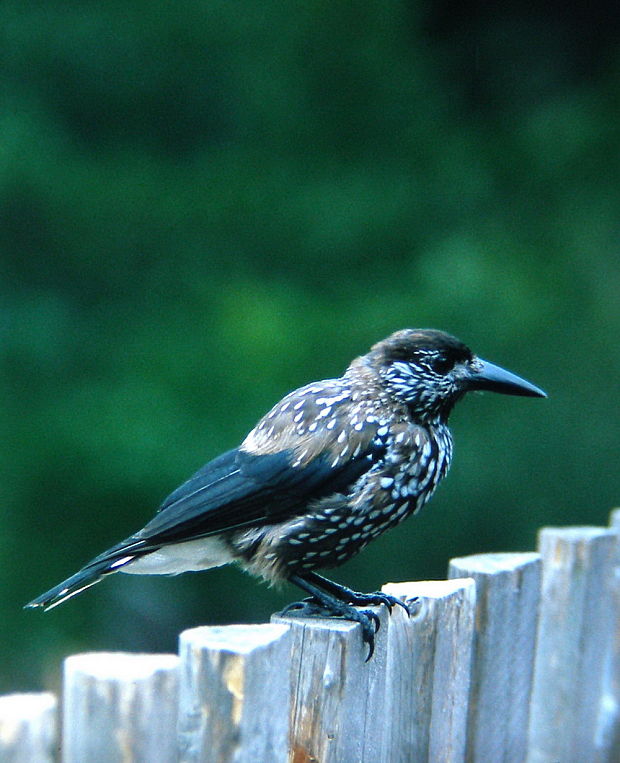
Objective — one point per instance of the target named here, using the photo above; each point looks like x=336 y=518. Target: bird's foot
x=376 y=598
x=310 y=607
x=343 y=593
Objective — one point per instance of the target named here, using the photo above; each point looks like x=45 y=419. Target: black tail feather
x=107 y=563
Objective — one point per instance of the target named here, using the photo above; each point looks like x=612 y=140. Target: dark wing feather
x=239 y=488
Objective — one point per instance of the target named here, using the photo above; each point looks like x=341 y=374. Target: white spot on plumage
x=120 y=562
x=426 y=479
x=386 y=482
x=333 y=400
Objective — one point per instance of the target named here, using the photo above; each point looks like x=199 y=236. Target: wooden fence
x=516 y=657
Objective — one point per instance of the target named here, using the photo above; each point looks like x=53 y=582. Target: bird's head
x=430 y=370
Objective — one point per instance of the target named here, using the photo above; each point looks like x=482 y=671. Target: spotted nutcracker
x=330 y=467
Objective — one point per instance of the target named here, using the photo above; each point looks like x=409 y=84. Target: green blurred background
x=205 y=204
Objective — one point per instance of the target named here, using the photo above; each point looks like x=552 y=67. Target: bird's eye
x=441 y=365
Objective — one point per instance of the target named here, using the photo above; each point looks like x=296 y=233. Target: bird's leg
x=324 y=604
x=354 y=597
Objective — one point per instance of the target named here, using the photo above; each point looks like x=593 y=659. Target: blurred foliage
x=206 y=204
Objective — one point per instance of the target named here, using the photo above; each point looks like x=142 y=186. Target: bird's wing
x=260 y=482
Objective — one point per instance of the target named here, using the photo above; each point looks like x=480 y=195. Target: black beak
x=487 y=376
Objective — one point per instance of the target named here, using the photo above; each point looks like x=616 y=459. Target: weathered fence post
x=507 y=599
x=234 y=693
x=337 y=698
x=574 y=633
x=120 y=707
x=428 y=671
x=28 y=730
x=515 y=658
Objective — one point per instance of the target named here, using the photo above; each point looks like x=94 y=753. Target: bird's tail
x=110 y=561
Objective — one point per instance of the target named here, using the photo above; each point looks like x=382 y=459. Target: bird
x=328 y=469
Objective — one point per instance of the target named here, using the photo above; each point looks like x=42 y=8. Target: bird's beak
x=484 y=375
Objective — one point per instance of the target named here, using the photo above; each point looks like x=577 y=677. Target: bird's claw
x=305 y=608
x=378 y=597
x=369 y=621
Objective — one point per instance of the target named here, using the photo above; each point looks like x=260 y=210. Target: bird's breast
x=416 y=460
x=334 y=528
